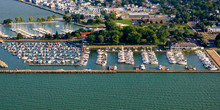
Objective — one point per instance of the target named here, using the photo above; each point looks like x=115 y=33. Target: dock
x=41 y=7
x=101 y=71
x=213 y=55
x=3 y=64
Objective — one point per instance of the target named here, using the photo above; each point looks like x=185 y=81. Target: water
x=112 y=60
x=48 y=26
x=12 y=8
x=110 y=91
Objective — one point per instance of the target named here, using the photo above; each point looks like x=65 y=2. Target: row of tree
x=31 y=19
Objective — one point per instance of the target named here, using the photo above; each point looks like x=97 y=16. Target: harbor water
x=12 y=8
x=110 y=91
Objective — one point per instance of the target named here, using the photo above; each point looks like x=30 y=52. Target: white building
x=213 y=29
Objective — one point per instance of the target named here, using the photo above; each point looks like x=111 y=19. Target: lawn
x=125 y=21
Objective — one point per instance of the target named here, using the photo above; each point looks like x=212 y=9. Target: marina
x=62 y=55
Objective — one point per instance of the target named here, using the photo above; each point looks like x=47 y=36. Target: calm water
x=48 y=26
x=13 y=8
x=110 y=91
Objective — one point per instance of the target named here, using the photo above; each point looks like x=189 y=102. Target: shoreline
x=101 y=71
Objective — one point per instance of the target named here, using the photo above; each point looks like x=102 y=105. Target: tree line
x=31 y=19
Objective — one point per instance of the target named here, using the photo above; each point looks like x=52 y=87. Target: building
x=138 y=15
x=185 y=45
x=213 y=29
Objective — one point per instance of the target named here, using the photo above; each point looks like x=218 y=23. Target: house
x=185 y=45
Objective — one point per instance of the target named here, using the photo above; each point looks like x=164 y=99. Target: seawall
x=100 y=71
x=42 y=7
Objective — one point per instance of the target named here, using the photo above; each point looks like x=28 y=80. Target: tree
x=217 y=40
x=39 y=19
x=77 y=34
x=7 y=21
x=82 y=17
x=17 y=19
x=43 y=19
x=161 y=22
x=54 y=16
x=19 y=36
x=151 y=22
x=90 y=22
x=56 y=36
x=134 y=37
x=49 y=18
x=101 y=39
x=67 y=18
x=96 y=17
x=21 y=19
x=115 y=39
x=110 y=25
x=91 y=39
x=98 y=21
x=68 y=35
x=31 y=18
x=103 y=13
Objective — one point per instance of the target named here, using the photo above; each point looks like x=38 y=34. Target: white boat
x=142 y=67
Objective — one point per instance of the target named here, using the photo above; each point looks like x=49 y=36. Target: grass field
x=125 y=21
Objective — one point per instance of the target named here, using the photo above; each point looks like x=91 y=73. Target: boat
x=142 y=67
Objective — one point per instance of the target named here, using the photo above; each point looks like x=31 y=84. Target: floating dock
x=3 y=64
x=213 y=55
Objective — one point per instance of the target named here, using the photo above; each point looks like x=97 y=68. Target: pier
x=101 y=71
x=213 y=55
x=42 y=7
x=3 y=64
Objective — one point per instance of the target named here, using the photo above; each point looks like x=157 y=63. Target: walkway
x=214 y=57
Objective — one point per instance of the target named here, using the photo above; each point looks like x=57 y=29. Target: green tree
x=217 y=40
x=39 y=19
x=151 y=22
x=110 y=25
x=161 y=21
x=77 y=34
x=7 y=21
x=134 y=37
x=54 y=16
x=19 y=36
x=82 y=17
x=91 y=39
x=115 y=39
x=101 y=39
x=68 y=35
x=43 y=19
x=31 y=18
x=21 y=19
x=67 y=18
x=49 y=18
x=103 y=13
x=98 y=21
x=90 y=22
x=17 y=19
x=56 y=36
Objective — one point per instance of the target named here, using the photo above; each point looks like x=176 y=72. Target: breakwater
x=101 y=71
x=42 y=7
x=3 y=64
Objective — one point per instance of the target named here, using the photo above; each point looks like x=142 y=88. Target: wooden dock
x=3 y=64
x=213 y=55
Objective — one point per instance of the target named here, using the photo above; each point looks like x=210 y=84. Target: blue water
x=110 y=91
x=12 y=8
